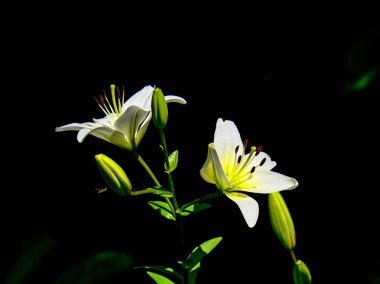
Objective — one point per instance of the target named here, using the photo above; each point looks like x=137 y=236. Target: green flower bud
x=159 y=109
x=113 y=175
x=281 y=220
x=301 y=274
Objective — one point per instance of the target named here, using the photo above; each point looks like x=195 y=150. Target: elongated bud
x=301 y=274
x=159 y=109
x=281 y=220
x=113 y=175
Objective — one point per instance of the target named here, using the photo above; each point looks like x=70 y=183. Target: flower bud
x=159 y=109
x=301 y=274
x=281 y=220
x=113 y=175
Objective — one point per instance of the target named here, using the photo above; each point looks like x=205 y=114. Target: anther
x=253 y=169
x=239 y=159
x=100 y=100
x=263 y=161
x=236 y=149
x=258 y=150
x=245 y=144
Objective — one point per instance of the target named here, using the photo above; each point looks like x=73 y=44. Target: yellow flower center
x=241 y=171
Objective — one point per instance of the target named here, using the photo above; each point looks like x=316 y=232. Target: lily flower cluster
x=236 y=170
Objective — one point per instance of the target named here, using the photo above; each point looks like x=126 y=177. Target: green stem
x=202 y=199
x=153 y=177
x=179 y=224
x=148 y=190
x=171 y=183
x=293 y=255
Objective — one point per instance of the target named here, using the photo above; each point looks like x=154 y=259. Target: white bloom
x=233 y=171
x=125 y=123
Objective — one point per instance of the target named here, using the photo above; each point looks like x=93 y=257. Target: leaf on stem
x=160 y=191
x=194 y=208
x=159 y=279
x=173 y=162
x=163 y=270
x=193 y=260
x=163 y=208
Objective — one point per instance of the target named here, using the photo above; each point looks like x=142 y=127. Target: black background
x=279 y=77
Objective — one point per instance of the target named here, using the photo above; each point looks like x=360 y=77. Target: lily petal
x=71 y=126
x=113 y=136
x=222 y=180
x=268 y=182
x=174 y=99
x=212 y=170
x=141 y=99
x=83 y=134
x=248 y=207
x=130 y=121
x=226 y=139
x=207 y=170
x=268 y=165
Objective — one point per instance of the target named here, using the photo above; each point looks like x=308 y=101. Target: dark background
x=281 y=78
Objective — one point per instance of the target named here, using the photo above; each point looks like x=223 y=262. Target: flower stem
x=293 y=255
x=179 y=224
x=153 y=177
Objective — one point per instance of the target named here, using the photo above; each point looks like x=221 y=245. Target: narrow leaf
x=194 y=208
x=159 y=279
x=209 y=245
x=173 y=162
x=160 y=191
x=193 y=273
x=96 y=268
x=163 y=208
x=199 y=252
x=163 y=270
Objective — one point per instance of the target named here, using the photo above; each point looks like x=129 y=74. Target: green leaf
x=199 y=252
x=173 y=162
x=30 y=258
x=194 y=208
x=193 y=273
x=163 y=270
x=163 y=208
x=159 y=278
x=160 y=191
x=96 y=268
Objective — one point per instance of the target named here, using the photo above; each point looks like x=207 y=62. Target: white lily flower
x=125 y=123
x=233 y=171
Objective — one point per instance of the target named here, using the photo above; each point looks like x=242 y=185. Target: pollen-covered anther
x=239 y=159
x=253 y=169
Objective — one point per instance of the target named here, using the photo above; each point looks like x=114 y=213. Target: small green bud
x=113 y=175
x=281 y=220
x=301 y=274
x=159 y=109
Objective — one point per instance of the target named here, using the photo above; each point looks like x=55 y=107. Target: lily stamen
x=258 y=150
x=262 y=162
x=245 y=144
